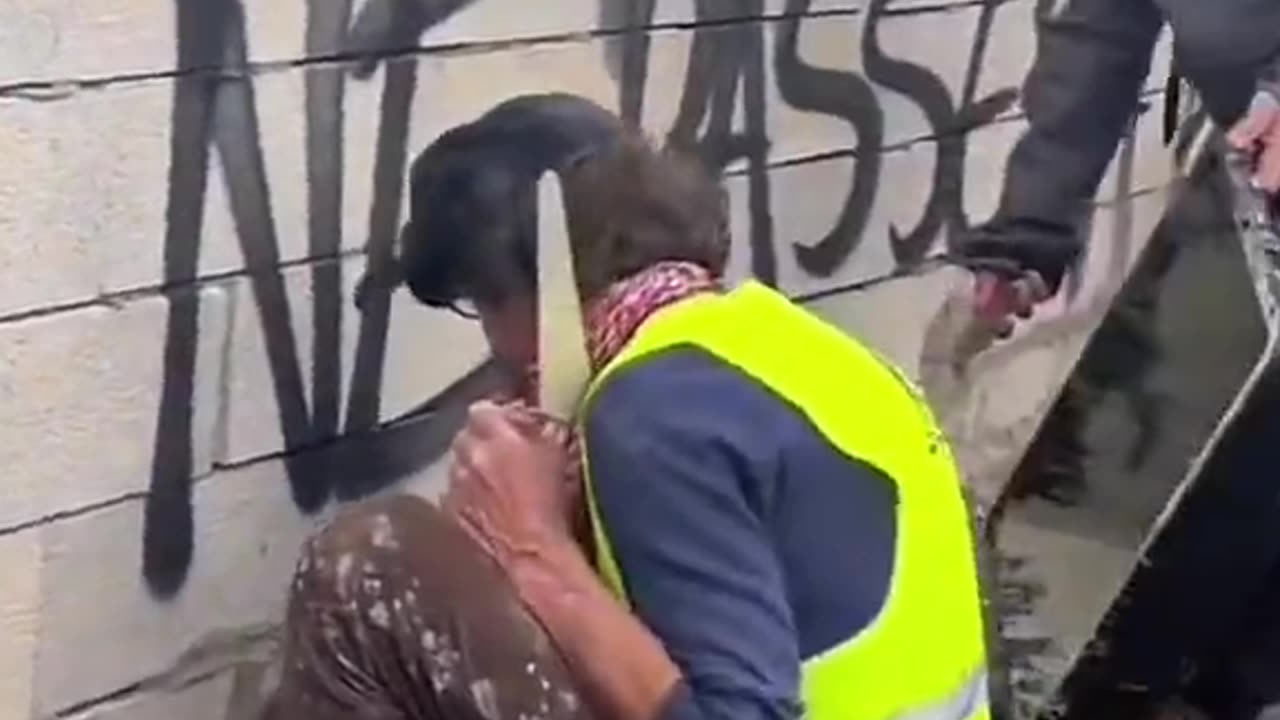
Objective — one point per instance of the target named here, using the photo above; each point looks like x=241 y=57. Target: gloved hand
x=1259 y=133
x=1016 y=266
x=1001 y=299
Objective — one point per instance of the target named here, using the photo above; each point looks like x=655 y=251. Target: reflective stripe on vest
x=923 y=656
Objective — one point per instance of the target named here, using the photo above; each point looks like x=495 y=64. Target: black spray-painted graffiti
x=214 y=108
x=731 y=58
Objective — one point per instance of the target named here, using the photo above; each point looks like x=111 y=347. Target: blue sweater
x=746 y=540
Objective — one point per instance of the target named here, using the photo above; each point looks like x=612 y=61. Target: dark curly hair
x=472 y=228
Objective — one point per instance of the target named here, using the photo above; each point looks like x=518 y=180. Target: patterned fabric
x=376 y=632
x=611 y=320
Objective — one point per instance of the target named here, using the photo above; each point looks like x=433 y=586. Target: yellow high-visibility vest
x=923 y=657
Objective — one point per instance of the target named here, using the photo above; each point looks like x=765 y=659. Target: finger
x=477 y=525
x=460 y=481
x=470 y=460
x=450 y=502
x=526 y=420
x=990 y=295
x=1261 y=116
x=1267 y=176
x=460 y=446
x=1021 y=299
x=536 y=424
x=1029 y=292
x=464 y=497
x=489 y=421
x=455 y=501
x=1244 y=134
x=479 y=417
x=1039 y=288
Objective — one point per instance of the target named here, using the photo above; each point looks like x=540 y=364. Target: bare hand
x=1259 y=133
x=1000 y=301
x=506 y=484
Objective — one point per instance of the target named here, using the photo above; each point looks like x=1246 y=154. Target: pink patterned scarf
x=612 y=319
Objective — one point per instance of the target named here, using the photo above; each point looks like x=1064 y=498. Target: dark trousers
x=395 y=614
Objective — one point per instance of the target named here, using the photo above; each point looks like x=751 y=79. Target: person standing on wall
x=775 y=527
x=1092 y=59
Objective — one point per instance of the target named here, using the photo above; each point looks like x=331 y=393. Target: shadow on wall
x=214 y=110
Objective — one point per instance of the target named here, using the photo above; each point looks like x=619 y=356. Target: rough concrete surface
x=1193 y=301
x=190 y=191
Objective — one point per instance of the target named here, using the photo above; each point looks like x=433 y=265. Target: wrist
x=551 y=573
x=618 y=662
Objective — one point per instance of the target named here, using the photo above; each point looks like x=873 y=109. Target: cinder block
x=205 y=700
x=82 y=194
x=892 y=316
x=19 y=621
x=54 y=40
x=48 y=40
x=271 y=193
x=984 y=170
x=109 y=154
x=81 y=395
x=102 y=631
x=992 y=411
x=1147 y=162
x=900 y=112
x=1013 y=29
x=87 y=200
x=425 y=351
x=996 y=58
x=807 y=203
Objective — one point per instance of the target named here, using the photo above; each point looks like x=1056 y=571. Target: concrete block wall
x=189 y=192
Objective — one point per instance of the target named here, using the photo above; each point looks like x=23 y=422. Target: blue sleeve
x=682 y=480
